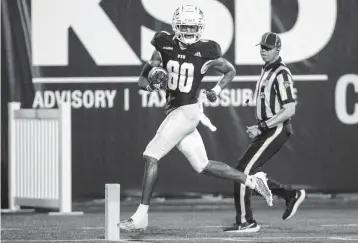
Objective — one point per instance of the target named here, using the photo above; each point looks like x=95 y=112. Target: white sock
x=250 y=182
x=141 y=212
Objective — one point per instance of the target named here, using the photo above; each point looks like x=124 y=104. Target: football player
x=187 y=58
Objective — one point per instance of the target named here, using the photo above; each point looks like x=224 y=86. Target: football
x=158 y=77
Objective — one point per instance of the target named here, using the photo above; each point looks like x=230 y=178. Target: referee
x=275 y=105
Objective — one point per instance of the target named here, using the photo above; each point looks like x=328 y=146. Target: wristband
x=217 y=89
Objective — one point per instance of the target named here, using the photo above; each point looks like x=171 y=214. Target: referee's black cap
x=270 y=40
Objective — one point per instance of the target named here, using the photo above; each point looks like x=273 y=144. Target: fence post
x=65 y=158
x=12 y=107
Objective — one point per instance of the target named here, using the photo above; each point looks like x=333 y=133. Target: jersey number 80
x=180 y=76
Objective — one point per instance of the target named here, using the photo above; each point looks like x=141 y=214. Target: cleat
x=262 y=188
x=293 y=203
x=130 y=225
x=243 y=228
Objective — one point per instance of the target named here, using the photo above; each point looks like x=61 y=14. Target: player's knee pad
x=196 y=156
x=147 y=155
x=148 y=158
x=198 y=164
x=149 y=152
x=193 y=148
x=158 y=147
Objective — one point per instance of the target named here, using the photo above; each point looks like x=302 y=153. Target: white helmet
x=188 y=24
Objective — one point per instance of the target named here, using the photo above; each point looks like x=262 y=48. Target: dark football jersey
x=186 y=67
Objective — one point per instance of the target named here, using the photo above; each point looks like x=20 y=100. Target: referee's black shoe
x=248 y=227
x=293 y=203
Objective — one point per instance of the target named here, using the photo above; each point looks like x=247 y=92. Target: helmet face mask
x=188 y=24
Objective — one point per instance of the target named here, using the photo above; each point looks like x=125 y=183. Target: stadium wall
x=51 y=53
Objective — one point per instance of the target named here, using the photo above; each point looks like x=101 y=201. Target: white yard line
x=339 y=225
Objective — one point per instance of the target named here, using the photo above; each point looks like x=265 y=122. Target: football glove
x=158 y=78
x=211 y=95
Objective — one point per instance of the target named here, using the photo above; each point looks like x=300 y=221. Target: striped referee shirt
x=273 y=90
